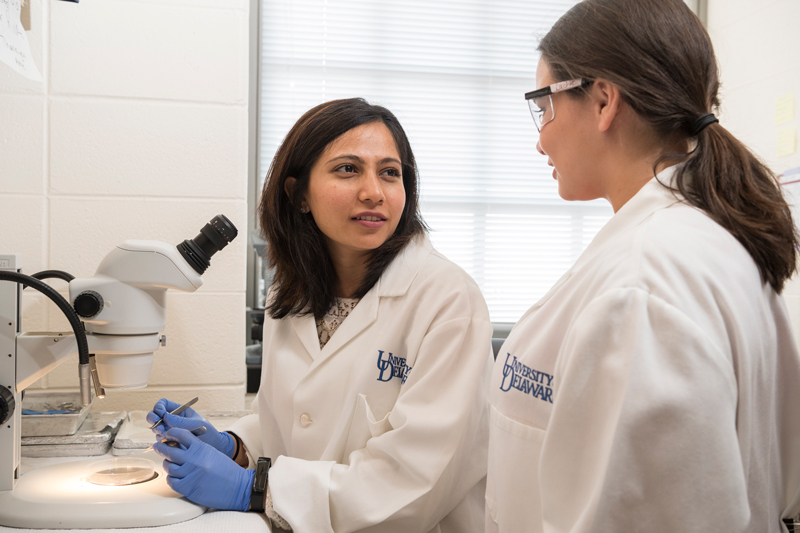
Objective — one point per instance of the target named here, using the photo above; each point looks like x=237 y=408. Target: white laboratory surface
x=208 y=522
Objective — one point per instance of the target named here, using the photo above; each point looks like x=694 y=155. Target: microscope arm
x=69 y=312
x=39 y=353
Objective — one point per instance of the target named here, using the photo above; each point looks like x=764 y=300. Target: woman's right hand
x=189 y=420
x=204 y=475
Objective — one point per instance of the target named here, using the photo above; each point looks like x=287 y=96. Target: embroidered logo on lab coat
x=392 y=367
x=526 y=379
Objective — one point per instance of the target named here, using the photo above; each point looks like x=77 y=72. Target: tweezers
x=177 y=411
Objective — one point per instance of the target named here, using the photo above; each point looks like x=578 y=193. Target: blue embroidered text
x=526 y=379
x=392 y=367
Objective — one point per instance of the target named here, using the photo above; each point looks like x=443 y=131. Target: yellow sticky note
x=784 y=109
x=787 y=141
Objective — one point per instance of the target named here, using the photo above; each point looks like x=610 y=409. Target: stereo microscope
x=117 y=318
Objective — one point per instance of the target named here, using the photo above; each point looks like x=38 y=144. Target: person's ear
x=288 y=187
x=607 y=100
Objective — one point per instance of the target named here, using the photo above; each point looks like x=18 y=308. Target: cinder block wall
x=138 y=131
x=758 y=48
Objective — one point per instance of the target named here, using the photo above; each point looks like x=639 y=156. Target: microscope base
x=59 y=497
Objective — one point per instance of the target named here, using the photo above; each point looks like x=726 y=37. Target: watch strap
x=260 y=482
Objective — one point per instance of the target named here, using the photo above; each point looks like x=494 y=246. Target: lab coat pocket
x=513 y=485
x=364 y=427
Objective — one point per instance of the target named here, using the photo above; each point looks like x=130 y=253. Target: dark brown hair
x=661 y=58
x=305 y=278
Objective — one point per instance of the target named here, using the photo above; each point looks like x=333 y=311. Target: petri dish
x=121 y=471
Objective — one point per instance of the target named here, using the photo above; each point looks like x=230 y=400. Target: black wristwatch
x=260 y=484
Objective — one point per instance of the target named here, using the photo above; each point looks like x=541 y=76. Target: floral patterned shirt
x=327 y=325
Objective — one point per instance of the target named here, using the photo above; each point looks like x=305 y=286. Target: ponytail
x=741 y=194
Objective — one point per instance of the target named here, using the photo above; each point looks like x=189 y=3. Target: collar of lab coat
x=655 y=195
x=395 y=281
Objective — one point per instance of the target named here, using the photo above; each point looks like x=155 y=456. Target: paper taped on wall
x=14 y=49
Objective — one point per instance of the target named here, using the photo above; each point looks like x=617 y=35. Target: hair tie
x=701 y=123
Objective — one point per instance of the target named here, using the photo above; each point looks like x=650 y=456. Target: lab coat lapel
x=395 y=281
x=306 y=330
x=360 y=318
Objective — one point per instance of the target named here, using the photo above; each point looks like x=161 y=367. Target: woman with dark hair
x=377 y=352
x=656 y=387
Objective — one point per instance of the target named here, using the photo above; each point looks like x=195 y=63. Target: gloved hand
x=189 y=419
x=202 y=474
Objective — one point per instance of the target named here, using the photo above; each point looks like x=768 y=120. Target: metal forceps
x=177 y=411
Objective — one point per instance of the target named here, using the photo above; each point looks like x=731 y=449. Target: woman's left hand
x=188 y=419
x=203 y=474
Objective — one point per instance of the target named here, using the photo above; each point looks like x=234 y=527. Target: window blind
x=454 y=73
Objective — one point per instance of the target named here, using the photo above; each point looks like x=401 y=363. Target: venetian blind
x=454 y=73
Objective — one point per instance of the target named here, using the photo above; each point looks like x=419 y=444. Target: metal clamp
x=99 y=391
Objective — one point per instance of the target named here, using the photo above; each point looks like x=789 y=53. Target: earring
x=303 y=210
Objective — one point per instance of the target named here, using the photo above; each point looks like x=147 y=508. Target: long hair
x=305 y=278
x=661 y=58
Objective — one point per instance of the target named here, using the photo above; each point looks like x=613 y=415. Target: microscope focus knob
x=88 y=304
x=7 y=405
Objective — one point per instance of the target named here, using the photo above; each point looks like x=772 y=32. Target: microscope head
x=124 y=304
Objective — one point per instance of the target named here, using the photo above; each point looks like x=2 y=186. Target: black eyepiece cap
x=212 y=238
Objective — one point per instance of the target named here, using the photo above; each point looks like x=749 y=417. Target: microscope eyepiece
x=212 y=238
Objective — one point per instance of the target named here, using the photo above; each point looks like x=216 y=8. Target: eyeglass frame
x=550 y=90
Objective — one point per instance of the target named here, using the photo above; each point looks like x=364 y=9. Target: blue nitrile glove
x=189 y=419
x=202 y=474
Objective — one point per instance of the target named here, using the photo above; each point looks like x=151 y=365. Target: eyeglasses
x=542 y=108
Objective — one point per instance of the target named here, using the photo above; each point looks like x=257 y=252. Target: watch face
x=262 y=473
x=260 y=484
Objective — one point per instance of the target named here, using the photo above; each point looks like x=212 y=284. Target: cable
x=61 y=302
x=60 y=274
x=47 y=274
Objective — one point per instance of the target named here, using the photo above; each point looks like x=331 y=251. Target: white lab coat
x=656 y=387
x=359 y=444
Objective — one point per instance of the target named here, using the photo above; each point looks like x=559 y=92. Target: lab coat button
x=305 y=420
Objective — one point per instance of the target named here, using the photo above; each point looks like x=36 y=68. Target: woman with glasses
x=372 y=409
x=656 y=387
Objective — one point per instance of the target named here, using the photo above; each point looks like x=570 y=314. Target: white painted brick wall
x=758 y=49
x=168 y=50
x=149 y=148
x=139 y=131
x=22 y=147
x=22 y=219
